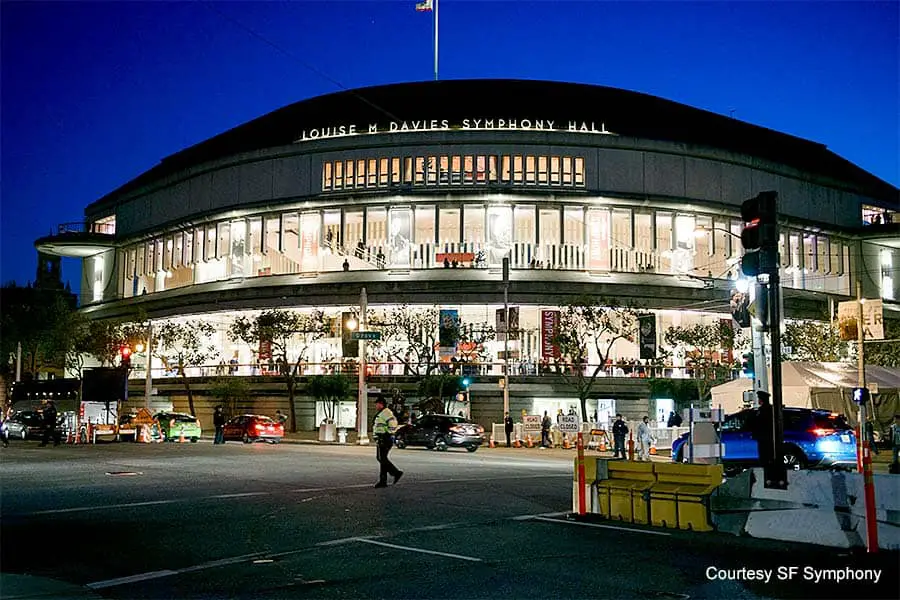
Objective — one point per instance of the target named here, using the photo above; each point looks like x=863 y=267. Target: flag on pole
x=424 y=6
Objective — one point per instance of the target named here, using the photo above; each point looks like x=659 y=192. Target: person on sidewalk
x=508 y=427
x=383 y=428
x=645 y=438
x=546 y=424
x=219 y=423
x=619 y=431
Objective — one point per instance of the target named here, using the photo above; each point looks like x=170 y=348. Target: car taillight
x=259 y=426
x=821 y=432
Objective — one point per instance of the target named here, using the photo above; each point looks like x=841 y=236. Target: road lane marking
x=241 y=495
x=530 y=517
x=600 y=526
x=104 y=507
x=420 y=550
x=99 y=585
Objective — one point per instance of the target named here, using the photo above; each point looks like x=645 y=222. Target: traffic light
x=759 y=237
x=466 y=381
x=747 y=367
x=125 y=357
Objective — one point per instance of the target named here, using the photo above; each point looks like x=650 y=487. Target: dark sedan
x=440 y=432
x=252 y=428
x=28 y=424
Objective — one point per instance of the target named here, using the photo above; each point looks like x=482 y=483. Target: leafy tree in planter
x=702 y=341
x=181 y=345
x=438 y=391
x=814 y=340
x=590 y=322
x=228 y=391
x=330 y=390
x=885 y=353
x=285 y=331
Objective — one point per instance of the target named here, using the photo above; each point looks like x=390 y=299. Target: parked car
x=173 y=426
x=812 y=438
x=439 y=432
x=252 y=428
x=26 y=424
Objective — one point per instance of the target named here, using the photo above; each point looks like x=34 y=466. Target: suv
x=439 y=432
x=812 y=438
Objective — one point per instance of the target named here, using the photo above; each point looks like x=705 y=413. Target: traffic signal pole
x=776 y=475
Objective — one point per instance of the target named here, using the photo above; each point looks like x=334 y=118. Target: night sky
x=95 y=93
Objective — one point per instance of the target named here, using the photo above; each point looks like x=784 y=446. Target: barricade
x=680 y=497
x=623 y=495
x=591 y=476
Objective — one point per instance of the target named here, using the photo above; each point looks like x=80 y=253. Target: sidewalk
x=14 y=586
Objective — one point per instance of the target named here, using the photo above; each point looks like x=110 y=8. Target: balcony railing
x=82 y=227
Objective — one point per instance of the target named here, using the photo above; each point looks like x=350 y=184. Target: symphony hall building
x=417 y=192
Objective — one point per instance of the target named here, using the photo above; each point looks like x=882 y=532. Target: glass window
x=349 y=179
x=290 y=239
x=256 y=245
x=836 y=264
x=140 y=259
x=168 y=249
x=408 y=170
x=549 y=226
x=523 y=224
x=643 y=242
x=424 y=233
x=431 y=174
x=209 y=252
x=376 y=227
x=456 y=171
x=395 y=170
x=360 y=173
x=809 y=253
x=473 y=225
x=554 y=170
x=567 y=170
x=372 y=173
x=448 y=221
x=178 y=250
x=383 y=172
x=338 y=175
x=353 y=229
x=530 y=169
x=822 y=251
x=505 y=167
x=543 y=176
x=664 y=240
x=573 y=232
x=331 y=228
x=273 y=235
x=469 y=169
x=518 y=174
x=621 y=228
x=198 y=245
x=444 y=171
x=223 y=242
x=579 y=172
x=189 y=255
x=420 y=169
x=326 y=176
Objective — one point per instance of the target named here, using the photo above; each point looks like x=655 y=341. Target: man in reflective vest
x=385 y=424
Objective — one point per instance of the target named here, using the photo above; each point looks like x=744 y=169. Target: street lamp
x=362 y=409
x=505 y=335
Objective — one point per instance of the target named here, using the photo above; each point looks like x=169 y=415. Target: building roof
x=623 y=112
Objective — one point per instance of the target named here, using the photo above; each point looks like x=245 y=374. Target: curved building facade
x=418 y=191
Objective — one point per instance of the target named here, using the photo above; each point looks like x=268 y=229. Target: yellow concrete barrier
x=680 y=497
x=623 y=495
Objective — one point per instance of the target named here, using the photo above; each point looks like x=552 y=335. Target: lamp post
x=362 y=408
x=505 y=335
x=148 y=380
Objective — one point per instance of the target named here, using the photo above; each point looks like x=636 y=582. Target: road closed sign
x=568 y=423
x=531 y=423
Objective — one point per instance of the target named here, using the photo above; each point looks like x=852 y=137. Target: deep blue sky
x=95 y=93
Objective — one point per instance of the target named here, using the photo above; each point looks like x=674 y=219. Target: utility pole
x=505 y=335
x=148 y=380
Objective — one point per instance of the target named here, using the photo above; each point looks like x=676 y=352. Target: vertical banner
x=549 y=329
x=349 y=347
x=513 y=323
x=647 y=328
x=399 y=237
x=448 y=331
x=598 y=239
x=499 y=239
x=309 y=242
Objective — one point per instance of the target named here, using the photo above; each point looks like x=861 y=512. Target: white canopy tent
x=822 y=385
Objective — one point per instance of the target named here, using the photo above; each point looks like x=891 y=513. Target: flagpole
x=435 y=40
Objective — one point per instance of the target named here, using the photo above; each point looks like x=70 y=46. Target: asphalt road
x=303 y=521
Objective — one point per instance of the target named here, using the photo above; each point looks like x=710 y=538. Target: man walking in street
x=508 y=427
x=49 y=417
x=619 y=430
x=384 y=426
x=219 y=422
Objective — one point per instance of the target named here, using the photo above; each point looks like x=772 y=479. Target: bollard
x=582 y=508
x=869 y=493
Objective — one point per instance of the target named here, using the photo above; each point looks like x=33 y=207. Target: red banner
x=549 y=329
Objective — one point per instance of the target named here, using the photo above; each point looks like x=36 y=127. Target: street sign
x=365 y=335
x=531 y=423
x=568 y=423
x=873 y=319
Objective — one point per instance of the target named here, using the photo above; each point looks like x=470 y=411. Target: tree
x=284 y=331
x=181 y=345
x=590 y=323
x=409 y=336
x=228 y=391
x=814 y=340
x=703 y=343
x=437 y=391
x=38 y=320
x=330 y=390
x=885 y=353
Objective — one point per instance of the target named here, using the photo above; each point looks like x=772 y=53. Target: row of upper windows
x=563 y=171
